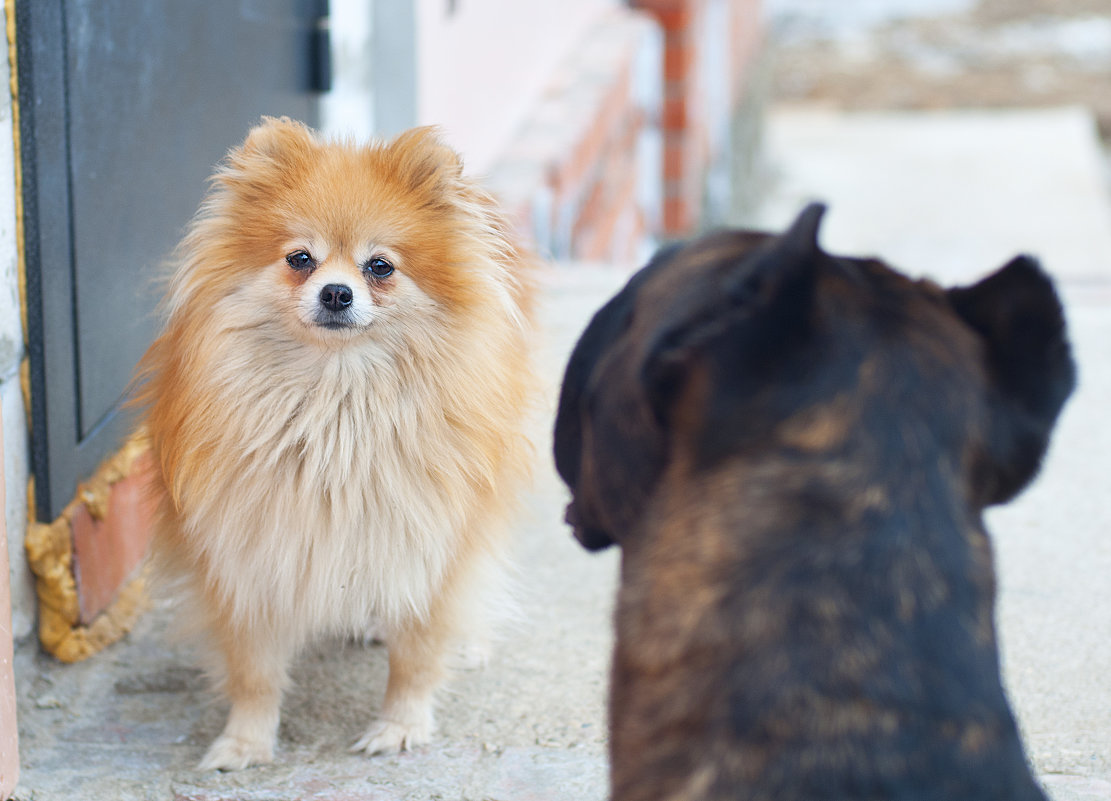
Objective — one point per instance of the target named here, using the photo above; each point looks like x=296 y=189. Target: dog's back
x=794 y=451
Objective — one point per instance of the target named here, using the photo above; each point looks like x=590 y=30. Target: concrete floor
x=950 y=195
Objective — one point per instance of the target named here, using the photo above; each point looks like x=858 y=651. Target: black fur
x=794 y=450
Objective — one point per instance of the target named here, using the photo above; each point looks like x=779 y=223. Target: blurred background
x=930 y=54
x=946 y=135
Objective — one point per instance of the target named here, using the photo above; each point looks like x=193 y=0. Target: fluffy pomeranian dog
x=336 y=406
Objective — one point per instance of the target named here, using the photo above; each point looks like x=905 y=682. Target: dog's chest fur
x=337 y=479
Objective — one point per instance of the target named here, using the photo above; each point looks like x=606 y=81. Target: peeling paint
x=50 y=553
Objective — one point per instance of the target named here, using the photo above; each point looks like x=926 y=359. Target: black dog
x=794 y=450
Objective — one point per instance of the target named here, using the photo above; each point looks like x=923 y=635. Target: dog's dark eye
x=378 y=267
x=300 y=260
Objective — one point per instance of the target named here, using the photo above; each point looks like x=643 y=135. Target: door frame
x=57 y=456
x=65 y=448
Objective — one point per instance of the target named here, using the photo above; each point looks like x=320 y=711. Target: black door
x=126 y=105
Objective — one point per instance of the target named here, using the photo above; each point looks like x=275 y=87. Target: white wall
x=348 y=109
x=481 y=67
x=16 y=457
x=473 y=67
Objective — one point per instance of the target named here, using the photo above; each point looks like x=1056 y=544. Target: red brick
x=681 y=212
x=597 y=242
x=569 y=172
x=658 y=6
x=597 y=149
x=108 y=551
x=683 y=148
x=678 y=61
x=674 y=161
x=611 y=197
x=675 y=214
x=674 y=19
x=675 y=116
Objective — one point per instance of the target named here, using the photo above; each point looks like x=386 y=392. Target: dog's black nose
x=336 y=297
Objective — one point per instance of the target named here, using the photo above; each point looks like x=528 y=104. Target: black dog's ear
x=764 y=302
x=580 y=464
x=603 y=330
x=1019 y=316
x=608 y=323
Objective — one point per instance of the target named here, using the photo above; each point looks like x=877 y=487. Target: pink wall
x=481 y=67
x=9 y=737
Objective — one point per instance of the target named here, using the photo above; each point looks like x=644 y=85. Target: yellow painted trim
x=50 y=554
x=21 y=268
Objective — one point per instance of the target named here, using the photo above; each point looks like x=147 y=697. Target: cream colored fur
x=319 y=482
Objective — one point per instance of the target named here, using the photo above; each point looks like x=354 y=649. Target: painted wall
x=15 y=453
x=9 y=732
x=473 y=67
x=482 y=64
x=348 y=110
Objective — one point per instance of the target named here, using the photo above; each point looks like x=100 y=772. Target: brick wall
x=709 y=49
x=634 y=132
x=581 y=177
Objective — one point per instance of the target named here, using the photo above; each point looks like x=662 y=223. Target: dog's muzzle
x=333 y=308
x=590 y=538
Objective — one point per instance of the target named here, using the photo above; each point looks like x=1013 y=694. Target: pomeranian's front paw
x=387 y=737
x=236 y=753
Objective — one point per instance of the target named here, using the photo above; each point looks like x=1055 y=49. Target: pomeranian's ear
x=424 y=161
x=275 y=136
x=274 y=142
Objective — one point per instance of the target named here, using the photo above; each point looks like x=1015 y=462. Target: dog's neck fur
x=816 y=651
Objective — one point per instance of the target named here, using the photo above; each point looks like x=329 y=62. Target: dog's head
x=741 y=342
x=334 y=243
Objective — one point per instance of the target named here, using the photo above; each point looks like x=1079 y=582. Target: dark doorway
x=126 y=105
